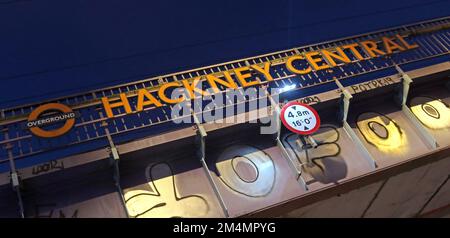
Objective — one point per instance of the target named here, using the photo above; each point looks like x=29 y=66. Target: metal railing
x=432 y=36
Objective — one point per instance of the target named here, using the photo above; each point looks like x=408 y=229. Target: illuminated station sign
x=335 y=111
x=297 y=64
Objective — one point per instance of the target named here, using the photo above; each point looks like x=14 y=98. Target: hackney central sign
x=206 y=85
x=298 y=64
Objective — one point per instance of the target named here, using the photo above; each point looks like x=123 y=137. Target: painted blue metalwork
x=88 y=133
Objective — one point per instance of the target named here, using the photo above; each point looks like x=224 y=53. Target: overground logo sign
x=37 y=120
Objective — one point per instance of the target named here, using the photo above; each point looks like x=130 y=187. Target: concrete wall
x=420 y=192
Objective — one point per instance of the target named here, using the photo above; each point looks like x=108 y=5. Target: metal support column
x=402 y=98
x=200 y=141
x=276 y=110
x=15 y=178
x=114 y=159
x=344 y=107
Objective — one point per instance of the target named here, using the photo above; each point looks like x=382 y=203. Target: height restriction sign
x=300 y=118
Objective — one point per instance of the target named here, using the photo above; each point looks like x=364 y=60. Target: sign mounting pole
x=200 y=141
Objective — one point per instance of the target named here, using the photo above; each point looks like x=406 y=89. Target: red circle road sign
x=300 y=118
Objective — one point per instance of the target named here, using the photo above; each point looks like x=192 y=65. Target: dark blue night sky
x=52 y=48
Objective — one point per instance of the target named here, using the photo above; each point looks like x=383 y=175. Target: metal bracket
x=201 y=144
x=403 y=95
x=311 y=141
x=404 y=86
x=304 y=140
x=344 y=101
x=296 y=171
x=114 y=153
x=345 y=105
x=15 y=178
